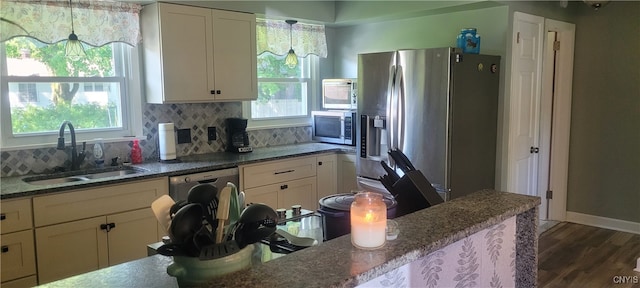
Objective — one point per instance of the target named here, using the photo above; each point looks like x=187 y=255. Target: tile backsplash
x=196 y=117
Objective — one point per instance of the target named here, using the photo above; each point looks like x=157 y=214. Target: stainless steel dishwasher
x=179 y=185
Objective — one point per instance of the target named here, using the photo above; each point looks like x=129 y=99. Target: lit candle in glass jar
x=368 y=220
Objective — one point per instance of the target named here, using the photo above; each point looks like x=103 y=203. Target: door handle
x=534 y=150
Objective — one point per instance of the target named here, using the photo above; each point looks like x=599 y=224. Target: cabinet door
x=327 y=174
x=347 y=173
x=187 y=57
x=267 y=195
x=132 y=233
x=298 y=192
x=71 y=248
x=18 y=255
x=235 y=60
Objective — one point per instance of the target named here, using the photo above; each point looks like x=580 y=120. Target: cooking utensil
x=296 y=240
x=174 y=209
x=219 y=250
x=205 y=195
x=223 y=212
x=234 y=205
x=172 y=249
x=184 y=225
x=256 y=222
x=161 y=208
x=241 y=197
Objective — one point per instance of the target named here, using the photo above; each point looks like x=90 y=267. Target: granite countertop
x=337 y=263
x=14 y=187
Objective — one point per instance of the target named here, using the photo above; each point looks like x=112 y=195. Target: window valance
x=96 y=22
x=273 y=36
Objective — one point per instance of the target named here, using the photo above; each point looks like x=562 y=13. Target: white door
x=525 y=103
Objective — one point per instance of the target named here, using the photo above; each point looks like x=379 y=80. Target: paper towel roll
x=167 y=139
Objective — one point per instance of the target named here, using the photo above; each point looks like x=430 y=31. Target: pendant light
x=292 y=59
x=73 y=48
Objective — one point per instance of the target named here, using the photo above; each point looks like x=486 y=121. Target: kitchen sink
x=84 y=175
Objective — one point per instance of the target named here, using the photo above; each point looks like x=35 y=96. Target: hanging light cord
x=71 y=6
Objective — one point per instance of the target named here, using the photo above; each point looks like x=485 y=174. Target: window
x=285 y=95
x=27 y=92
x=42 y=88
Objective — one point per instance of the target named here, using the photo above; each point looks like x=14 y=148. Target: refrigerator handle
x=400 y=123
x=390 y=123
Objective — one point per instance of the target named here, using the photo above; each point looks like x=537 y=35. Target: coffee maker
x=237 y=137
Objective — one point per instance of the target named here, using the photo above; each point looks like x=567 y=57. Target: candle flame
x=369 y=217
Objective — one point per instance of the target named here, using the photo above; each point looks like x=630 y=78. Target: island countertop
x=336 y=263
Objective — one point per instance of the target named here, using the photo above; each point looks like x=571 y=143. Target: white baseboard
x=603 y=222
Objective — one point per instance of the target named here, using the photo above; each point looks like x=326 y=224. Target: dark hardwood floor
x=574 y=255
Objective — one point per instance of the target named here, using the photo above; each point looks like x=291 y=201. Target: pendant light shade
x=292 y=59
x=73 y=48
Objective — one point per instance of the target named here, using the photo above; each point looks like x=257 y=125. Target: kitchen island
x=487 y=216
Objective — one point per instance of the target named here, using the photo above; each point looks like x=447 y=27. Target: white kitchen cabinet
x=347 y=181
x=327 y=175
x=281 y=183
x=194 y=54
x=17 y=245
x=84 y=230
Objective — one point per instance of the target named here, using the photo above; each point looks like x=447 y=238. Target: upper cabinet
x=194 y=54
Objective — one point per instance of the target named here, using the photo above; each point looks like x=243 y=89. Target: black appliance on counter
x=237 y=137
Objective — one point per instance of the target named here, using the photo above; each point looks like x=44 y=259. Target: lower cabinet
x=85 y=230
x=18 y=259
x=347 y=180
x=327 y=176
x=85 y=245
x=298 y=180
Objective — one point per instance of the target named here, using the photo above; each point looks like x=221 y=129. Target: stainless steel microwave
x=339 y=94
x=338 y=127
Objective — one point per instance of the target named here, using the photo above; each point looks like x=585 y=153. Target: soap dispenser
x=136 y=152
x=98 y=153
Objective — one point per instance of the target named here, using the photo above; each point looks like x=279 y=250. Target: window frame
x=131 y=105
x=291 y=121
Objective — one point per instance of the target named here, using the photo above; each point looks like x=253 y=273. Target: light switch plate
x=184 y=136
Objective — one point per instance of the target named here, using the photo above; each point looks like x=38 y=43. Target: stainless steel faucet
x=76 y=158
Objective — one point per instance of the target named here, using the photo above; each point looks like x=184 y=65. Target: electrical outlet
x=184 y=136
x=211 y=134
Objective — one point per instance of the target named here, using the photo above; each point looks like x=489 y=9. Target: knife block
x=414 y=192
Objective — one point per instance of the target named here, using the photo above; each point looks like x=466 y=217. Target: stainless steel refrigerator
x=439 y=107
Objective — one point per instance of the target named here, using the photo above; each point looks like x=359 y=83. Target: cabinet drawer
x=16 y=216
x=283 y=195
x=80 y=204
x=18 y=255
x=278 y=171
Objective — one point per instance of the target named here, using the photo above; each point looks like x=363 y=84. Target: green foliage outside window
x=83 y=116
x=97 y=63
x=272 y=66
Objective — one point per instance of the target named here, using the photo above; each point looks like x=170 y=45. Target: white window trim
x=286 y=122
x=131 y=113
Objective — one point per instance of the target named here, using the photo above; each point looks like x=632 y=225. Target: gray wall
x=604 y=158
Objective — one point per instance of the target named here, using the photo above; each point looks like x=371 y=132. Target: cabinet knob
x=320 y=163
x=285 y=186
x=212 y=92
x=218 y=92
x=5 y=249
x=3 y=216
